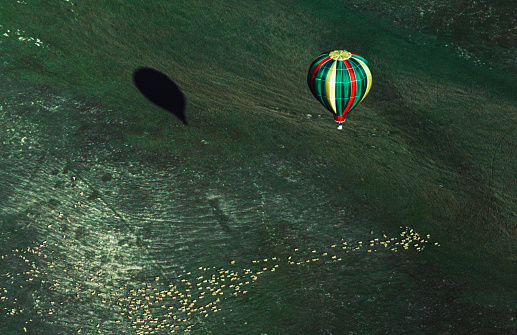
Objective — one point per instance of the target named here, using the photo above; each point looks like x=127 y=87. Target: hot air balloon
x=340 y=80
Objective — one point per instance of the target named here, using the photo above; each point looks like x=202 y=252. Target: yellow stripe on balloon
x=368 y=75
x=330 y=87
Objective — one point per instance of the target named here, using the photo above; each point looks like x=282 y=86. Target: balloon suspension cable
x=340 y=120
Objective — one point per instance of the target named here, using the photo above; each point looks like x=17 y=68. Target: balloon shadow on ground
x=161 y=91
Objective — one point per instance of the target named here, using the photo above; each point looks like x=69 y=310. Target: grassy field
x=433 y=146
x=480 y=31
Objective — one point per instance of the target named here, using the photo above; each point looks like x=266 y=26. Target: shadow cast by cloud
x=161 y=90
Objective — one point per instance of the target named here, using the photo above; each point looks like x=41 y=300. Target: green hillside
x=432 y=147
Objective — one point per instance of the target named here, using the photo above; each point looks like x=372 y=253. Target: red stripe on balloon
x=316 y=68
x=353 y=86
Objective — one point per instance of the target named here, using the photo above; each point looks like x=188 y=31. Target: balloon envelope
x=340 y=80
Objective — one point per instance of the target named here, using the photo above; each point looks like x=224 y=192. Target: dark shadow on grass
x=161 y=91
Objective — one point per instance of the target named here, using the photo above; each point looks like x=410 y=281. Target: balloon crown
x=340 y=54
